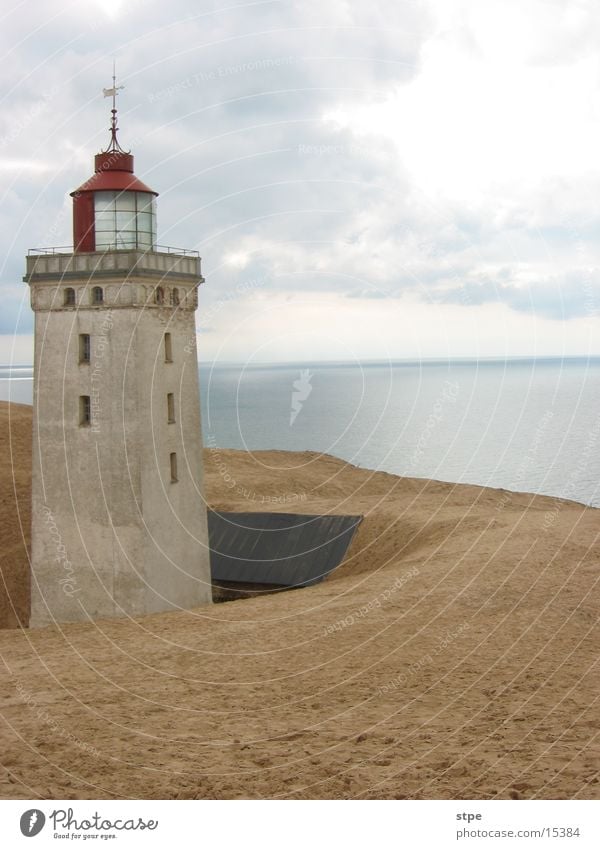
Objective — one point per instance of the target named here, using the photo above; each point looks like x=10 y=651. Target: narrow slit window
x=85 y=412
x=69 y=297
x=173 y=461
x=170 y=408
x=97 y=295
x=168 y=348
x=84 y=348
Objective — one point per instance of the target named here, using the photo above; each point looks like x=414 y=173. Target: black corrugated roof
x=278 y=549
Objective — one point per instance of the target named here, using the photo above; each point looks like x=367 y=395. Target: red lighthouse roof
x=113 y=173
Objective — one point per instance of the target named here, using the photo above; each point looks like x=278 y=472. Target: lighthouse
x=119 y=524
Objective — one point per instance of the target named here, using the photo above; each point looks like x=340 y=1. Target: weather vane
x=112 y=92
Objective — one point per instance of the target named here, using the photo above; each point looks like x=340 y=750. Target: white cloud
x=22 y=167
x=380 y=159
x=469 y=124
x=112 y=8
x=271 y=327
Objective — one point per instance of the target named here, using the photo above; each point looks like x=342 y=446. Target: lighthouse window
x=168 y=348
x=146 y=215
x=84 y=347
x=69 y=297
x=97 y=295
x=171 y=408
x=174 y=297
x=84 y=410
x=173 y=461
x=124 y=220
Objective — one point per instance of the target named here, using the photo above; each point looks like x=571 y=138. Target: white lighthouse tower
x=118 y=516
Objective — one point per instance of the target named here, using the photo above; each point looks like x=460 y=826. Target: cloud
x=373 y=152
x=15 y=316
x=575 y=295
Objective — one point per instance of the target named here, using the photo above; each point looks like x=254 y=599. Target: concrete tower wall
x=112 y=533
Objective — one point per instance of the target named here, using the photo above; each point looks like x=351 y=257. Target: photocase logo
x=301 y=391
x=32 y=822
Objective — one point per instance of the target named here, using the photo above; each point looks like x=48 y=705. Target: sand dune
x=452 y=655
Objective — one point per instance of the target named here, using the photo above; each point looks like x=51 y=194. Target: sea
x=527 y=425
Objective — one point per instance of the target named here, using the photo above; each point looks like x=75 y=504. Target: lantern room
x=113 y=210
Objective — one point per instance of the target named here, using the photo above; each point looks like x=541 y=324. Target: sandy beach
x=452 y=655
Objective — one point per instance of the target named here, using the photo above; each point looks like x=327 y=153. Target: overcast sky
x=363 y=179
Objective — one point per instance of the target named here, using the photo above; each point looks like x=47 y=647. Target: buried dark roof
x=277 y=549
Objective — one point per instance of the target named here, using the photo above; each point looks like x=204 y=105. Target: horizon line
x=377 y=360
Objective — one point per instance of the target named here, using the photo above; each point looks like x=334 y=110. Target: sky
x=363 y=180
